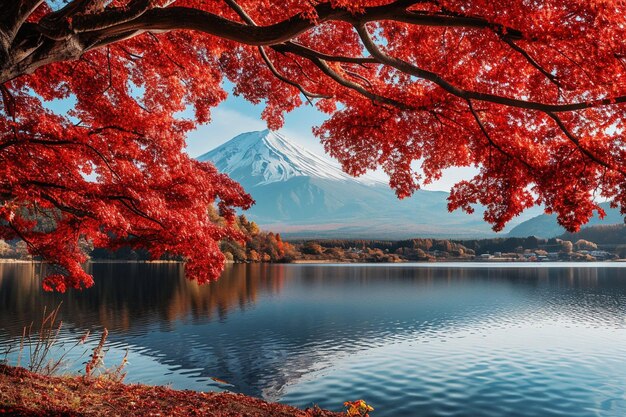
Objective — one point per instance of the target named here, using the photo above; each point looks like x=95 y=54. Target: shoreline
x=345 y=262
x=23 y=393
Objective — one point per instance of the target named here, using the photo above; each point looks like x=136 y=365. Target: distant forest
x=591 y=243
x=611 y=234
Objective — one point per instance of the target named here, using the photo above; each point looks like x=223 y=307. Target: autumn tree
x=566 y=246
x=258 y=246
x=582 y=244
x=530 y=93
x=5 y=249
x=312 y=248
x=21 y=250
x=233 y=251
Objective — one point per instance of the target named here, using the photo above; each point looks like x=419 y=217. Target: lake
x=411 y=339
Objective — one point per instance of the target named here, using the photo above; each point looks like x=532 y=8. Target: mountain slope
x=265 y=157
x=546 y=226
x=301 y=194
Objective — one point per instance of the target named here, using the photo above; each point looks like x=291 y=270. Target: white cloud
x=226 y=124
x=235 y=116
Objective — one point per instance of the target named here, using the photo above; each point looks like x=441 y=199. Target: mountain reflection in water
x=441 y=339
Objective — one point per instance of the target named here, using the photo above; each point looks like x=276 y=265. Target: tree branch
x=414 y=70
x=492 y=142
x=172 y=18
x=67 y=209
x=553 y=79
x=572 y=138
x=13 y=14
x=279 y=36
x=326 y=69
x=304 y=51
x=246 y=18
x=60 y=143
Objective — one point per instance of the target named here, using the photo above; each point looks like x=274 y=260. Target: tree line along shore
x=598 y=243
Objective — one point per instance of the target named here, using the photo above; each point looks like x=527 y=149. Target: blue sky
x=236 y=115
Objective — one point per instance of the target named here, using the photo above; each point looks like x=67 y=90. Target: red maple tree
x=532 y=93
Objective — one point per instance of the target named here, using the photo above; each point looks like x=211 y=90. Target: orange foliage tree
x=531 y=93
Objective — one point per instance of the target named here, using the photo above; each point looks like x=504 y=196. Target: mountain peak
x=264 y=157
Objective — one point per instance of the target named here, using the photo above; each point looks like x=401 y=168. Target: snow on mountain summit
x=267 y=157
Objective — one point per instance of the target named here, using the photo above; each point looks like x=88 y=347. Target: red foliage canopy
x=532 y=93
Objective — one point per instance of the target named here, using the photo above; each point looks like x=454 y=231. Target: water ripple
x=414 y=340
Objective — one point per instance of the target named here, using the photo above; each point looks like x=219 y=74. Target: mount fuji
x=304 y=195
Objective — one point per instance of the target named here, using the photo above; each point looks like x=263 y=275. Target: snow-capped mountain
x=301 y=194
x=265 y=157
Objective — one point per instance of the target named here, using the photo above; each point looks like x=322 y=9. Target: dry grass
x=23 y=393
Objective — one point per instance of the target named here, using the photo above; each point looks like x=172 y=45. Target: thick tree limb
x=98 y=28
x=172 y=18
x=116 y=26
x=279 y=35
x=246 y=18
x=304 y=51
x=110 y=17
x=13 y=13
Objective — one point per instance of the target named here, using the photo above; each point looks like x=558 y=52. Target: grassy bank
x=23 y=393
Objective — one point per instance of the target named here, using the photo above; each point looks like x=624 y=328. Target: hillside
x=606 y=235
x=303 y=195
x=546 y=226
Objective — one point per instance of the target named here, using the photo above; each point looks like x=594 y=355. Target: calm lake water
x=413 y=340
